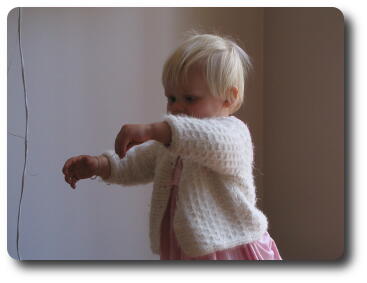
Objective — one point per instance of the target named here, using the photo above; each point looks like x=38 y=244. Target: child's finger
x=70 y=170
x=73 y=180
x=69 y=166
x=66 y=166
x=68 y=180
x=117 y=146
x=123 y=147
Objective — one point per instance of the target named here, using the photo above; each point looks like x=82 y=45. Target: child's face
x=194 y=98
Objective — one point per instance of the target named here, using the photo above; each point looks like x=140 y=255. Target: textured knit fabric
x=263 y=249
x=216 y=206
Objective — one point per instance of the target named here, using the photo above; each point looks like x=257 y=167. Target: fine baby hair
x=224 y=62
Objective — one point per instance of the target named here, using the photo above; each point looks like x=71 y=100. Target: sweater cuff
x=114 y=161
x=176 y=132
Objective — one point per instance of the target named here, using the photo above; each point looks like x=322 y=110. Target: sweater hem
x=216 y=248
x=220 y=247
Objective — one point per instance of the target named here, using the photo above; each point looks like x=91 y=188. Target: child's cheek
x=201 y=110
x=197 y=108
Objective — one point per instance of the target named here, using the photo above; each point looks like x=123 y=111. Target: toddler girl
x=199 y=157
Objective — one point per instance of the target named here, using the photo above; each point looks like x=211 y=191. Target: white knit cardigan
x=216 y=206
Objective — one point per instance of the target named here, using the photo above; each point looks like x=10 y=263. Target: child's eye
x=171 y=99
x=190 y=98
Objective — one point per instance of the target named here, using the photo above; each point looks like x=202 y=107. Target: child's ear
x=232 y=95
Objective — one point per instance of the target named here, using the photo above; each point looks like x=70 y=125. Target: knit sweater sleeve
x=137 y=167
x=222 y=144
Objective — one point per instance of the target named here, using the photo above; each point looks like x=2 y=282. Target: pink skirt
x=263 y=249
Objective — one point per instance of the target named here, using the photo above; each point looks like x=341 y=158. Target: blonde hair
x=224 y=63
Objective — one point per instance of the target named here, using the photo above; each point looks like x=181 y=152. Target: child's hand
x=130 y=135
x=80 y=167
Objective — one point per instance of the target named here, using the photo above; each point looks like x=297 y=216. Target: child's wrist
x=161 y=132
x=103 y=169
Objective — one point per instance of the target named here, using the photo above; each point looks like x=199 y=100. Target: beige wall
x=304 y=131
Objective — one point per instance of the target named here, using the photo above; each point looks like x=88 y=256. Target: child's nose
x=178 y=108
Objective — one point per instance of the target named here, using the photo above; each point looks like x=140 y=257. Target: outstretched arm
x=136 y=167
x=133 y=161
x=222 y=144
